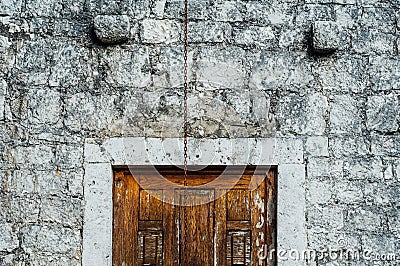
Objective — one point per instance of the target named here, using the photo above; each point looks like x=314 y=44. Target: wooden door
x=225 y=216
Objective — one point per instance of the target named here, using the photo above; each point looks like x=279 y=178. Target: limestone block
x=221 y=67
x=302 y=115
x=324 y=168
x=254 y=35
x=211 y=32
x=277 y=71
x=325 y=37
x=385 y=145
x=384 y=73
x=3 y=93
x=33 y=61
x=363 y=169
x=9 y=237
x=326 y=218
x=126 y=66
x=365 y=219
x=344 y=146
x=52 y=238
x=64 y=211
x=10 y=7
x=373 y=41
x=71 y=65
x=345 y=116
x=160 y=31
x=342 y=74
x=44 y=106
x=383 y=113
x=317 y=146
x=112 y=29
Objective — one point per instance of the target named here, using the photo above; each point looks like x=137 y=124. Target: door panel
x=197 y=226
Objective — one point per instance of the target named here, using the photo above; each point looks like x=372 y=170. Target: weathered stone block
x=384 y=73
x=228 y=11
x=168 y=67
x=317 y=146
x=365 y=219
x=363 y=169
x=302 y=115
x=31 y=157
x=209 y=32
x=254 y=35
x=33 y=60
x=324 y=167
x=325 y=37
x=381 y=194
x=345 y=115
x=160 y=31
x=59 y=183
x=69 y=156
x=326 y=218
x=219 y=68
x=127 y=66
x=71 y=65
x=373 y=41
x=320 y=192
x=51 y=238
x=383 y=113
x=3 y=93
x=342 y=74
x=275 y=71
x=9 y=237
x=349 y=192
x=63 y=211
x=112 y=29
x=91 y=113
x=386 y=145
x=7 y=56
x=10 y=7
x=44 y=107
x=349 y=146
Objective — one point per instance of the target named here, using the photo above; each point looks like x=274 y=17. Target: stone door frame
x=101 y=155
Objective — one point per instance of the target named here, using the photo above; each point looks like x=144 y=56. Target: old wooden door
x=225 y=216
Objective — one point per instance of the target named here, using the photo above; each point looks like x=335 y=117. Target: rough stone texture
x=325 y=37
x=383 y=113
x=112 y=29
x=333 y=119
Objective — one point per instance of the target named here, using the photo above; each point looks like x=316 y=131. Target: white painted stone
x=97 y=226
x=291 y=210
x=240 y=151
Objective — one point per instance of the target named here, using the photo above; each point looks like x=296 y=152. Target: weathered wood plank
x=220 y=228
x=197 y=224
x=258 y=225
x=238 y=205
x=170 y=226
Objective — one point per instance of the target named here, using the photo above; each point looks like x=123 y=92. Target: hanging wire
x=185 y=93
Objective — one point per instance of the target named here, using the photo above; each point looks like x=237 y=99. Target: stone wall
x=325 y=73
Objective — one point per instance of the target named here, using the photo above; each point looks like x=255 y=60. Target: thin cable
x=185 y=93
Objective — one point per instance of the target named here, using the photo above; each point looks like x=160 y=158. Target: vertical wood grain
x=220 y=228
